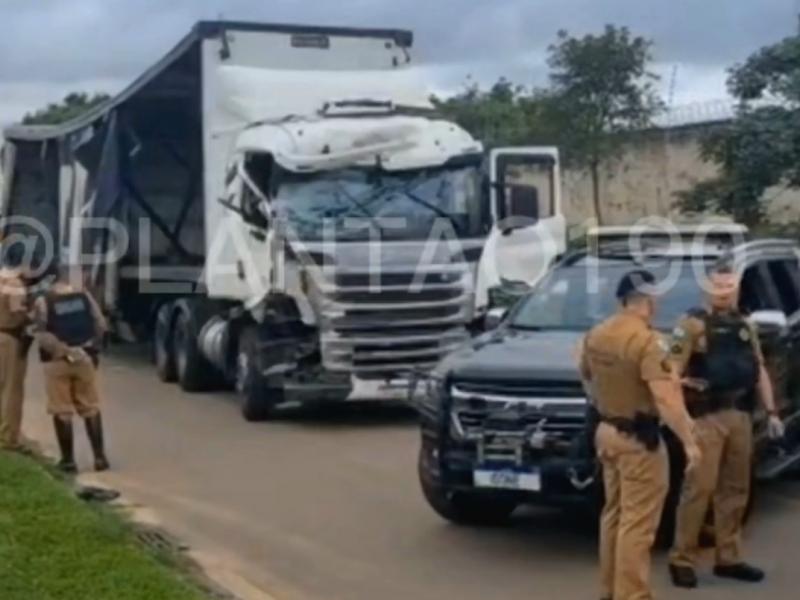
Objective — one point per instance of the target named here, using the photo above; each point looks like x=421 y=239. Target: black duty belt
x=16 y=332
x=93 y=353
x=645 y=428
x=710 y=404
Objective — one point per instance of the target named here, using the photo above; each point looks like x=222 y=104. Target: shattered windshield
x=361 y=204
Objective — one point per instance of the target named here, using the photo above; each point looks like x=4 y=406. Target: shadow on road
x=357 y=414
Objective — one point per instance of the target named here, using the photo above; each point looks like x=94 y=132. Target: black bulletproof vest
x=729 y=363
x=69 y=318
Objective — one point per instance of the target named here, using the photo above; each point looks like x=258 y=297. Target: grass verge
x=54 y=547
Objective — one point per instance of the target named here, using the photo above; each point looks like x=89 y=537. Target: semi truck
x=280 y=209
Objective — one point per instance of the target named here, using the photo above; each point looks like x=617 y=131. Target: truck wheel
x=463 y=508
x=194 y=372
x=258 y=399
x=163 y=350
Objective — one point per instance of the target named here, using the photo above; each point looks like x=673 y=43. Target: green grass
x=54 y=547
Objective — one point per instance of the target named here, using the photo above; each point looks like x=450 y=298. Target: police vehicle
x=504 y=419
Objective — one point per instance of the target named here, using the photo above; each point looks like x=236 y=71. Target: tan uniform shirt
x=621 y=355
x=689 y=337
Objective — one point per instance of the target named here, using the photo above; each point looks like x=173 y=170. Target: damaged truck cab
x=302 y=225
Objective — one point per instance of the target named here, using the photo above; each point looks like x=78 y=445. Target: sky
x=52 y=47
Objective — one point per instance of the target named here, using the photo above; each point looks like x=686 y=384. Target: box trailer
x=279 y=208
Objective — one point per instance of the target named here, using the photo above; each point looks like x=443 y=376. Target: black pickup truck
x=504 y=419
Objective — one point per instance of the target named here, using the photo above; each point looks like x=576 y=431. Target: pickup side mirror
x=770 y=319
x=494 y=317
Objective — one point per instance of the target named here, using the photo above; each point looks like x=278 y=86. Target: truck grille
x=393 y=323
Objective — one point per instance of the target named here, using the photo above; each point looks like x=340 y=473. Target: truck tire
x=194 y=372
x=163 y=349
x=463 y=508
x=258 y=399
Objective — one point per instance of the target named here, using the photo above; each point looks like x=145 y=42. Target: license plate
x=508 y=479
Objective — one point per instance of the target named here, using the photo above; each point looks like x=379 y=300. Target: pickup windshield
x=577 y=297
x=354 y=204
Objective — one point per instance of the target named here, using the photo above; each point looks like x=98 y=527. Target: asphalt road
x=327 y=506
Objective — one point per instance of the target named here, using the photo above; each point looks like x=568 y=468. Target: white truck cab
x=332 y=227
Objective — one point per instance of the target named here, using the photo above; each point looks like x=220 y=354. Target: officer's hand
x=698 y=385
x=775 y=428
x=77 y=355
x=693 y=457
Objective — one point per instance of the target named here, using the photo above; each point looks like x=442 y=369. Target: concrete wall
x=644 y=181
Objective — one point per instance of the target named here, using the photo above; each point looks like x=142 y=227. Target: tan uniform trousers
x=636 y=483
x=726 y=440
x=12 y=390
x=71 y=388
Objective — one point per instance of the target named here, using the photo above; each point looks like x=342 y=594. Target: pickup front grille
x=477 y=416
x=510 y=391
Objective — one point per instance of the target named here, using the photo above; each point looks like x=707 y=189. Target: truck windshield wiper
x=406 y=190
x=523 y=327
x=362 y=206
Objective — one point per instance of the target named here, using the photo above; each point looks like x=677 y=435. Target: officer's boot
x=64 y=436
x=94 y=429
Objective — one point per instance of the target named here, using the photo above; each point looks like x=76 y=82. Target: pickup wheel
x=258 y=399
x=463 y=508
x=195 y=373
x=163 y=349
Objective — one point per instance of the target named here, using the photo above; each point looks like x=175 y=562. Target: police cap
x=635 y=283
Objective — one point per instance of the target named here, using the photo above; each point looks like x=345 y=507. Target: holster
x=645 y=428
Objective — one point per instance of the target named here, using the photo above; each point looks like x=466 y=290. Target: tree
x=602 y=89
x=760 y=148
x=73 y=105
x=505 y=114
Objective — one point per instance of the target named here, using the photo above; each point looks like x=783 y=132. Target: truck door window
x=527 y=190
x=785 y=276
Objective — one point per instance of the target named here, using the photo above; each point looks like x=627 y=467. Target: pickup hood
x=515 y=356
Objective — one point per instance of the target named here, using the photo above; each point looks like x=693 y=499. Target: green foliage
x=52 y=546
x=505 y=114
x=601 y=90
x=73 y=106
x=760 y=149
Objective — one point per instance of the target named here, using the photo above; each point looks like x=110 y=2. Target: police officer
x=14 y=346
x=626 y=366
x=70 y=326
x=717 y=353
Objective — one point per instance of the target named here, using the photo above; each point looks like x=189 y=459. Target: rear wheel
x=258 y=399
x=464 y=508
x=195 y=373
x=163 y=349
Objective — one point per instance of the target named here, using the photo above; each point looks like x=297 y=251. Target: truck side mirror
x=770 y=319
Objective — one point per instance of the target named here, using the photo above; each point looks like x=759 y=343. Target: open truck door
x=529 y=229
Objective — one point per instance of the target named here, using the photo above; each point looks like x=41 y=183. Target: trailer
x=279 y=208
